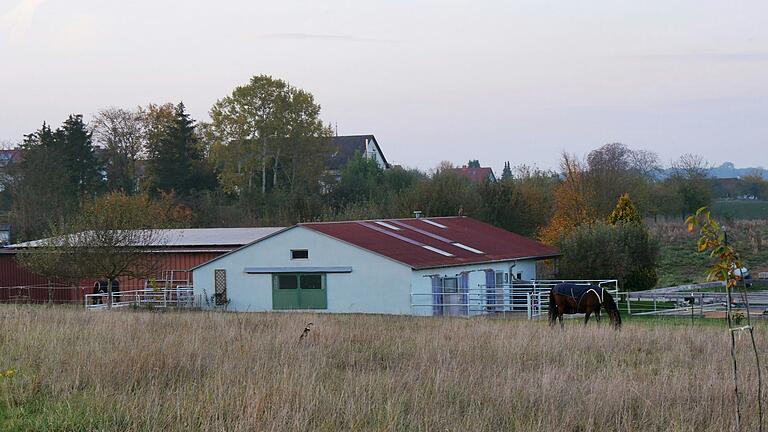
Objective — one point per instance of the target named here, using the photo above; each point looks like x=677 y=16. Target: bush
x=601 y=251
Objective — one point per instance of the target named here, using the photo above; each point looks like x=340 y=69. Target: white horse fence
x=180 y=297
x=528 y=297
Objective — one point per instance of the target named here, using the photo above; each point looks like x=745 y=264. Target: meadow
x=143 y=371
x=740 y=209
x=679 y=263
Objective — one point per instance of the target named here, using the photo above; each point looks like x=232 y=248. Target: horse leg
x=586 y=317
x=552 y=314
x=560 y=317
x=597 y=315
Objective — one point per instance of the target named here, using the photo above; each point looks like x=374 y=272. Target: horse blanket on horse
x=577 y=292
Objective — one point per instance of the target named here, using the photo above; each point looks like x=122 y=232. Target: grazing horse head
x=612 y=309
x=569 y=298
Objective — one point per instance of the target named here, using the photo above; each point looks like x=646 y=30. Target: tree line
x=262 y=158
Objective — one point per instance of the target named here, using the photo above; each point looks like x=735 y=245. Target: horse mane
x=608 y=300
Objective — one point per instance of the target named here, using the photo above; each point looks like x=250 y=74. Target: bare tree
x=121 y=133
x=645 y=162
x=8 y=144
x=110 y=238
x=691 y=166
x=689 y=179
x=609 y=175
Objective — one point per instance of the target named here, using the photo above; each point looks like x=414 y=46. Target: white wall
x=376 y=284
x=422 y=284
x=372 y=151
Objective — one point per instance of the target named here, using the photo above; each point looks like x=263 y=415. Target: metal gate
x=528 y=297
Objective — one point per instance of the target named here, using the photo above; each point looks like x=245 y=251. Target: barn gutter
x=266 y=270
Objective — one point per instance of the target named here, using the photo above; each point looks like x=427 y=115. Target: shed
x=421 y=266
x=173 y=257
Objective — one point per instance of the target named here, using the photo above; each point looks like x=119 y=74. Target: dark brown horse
x=568 y=298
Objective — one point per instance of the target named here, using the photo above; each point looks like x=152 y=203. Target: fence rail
x=41 y=294
x=680 y=303
x=180 y=297
x=529 y=297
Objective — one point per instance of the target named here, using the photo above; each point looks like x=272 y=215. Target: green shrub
x=600 y=251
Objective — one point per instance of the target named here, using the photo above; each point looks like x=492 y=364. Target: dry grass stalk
x=213 y=371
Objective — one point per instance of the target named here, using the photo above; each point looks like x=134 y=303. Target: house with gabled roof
x=418 y=266
x=346 y=146
x=474 y=174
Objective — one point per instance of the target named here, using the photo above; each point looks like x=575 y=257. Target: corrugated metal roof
x=197 y=237
x=435 y=242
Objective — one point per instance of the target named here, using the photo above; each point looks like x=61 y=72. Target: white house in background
x=392 y=266
x=344 y=147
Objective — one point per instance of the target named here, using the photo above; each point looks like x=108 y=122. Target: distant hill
x=726 y=170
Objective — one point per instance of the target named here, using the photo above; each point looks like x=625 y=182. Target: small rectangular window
x=450 y=285
x=519 y=276
x=311 y=281
x=287 y=282
x=299 y=254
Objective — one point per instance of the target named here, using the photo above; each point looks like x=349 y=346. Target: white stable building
x=418 y=266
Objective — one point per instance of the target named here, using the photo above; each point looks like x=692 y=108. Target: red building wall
x=18 y=284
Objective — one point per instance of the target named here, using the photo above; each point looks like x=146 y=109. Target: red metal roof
x=435 y=242
x=477 y=175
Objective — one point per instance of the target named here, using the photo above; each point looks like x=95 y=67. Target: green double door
x=299 y=291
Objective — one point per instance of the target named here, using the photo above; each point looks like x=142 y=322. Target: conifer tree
x=643 y=275
x=175 y=159
x=58 y=172
x=507 y=172
x=74 y=143
x=625 y=212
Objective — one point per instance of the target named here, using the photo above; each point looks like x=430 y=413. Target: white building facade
x=406 y=267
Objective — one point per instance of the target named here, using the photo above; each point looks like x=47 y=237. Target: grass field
x=679 y=263
x=740 y=209
x=143 y=371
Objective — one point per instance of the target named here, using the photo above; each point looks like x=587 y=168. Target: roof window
x=387 y=225
x=471 y=249
x=437 y=251
x=433 y=223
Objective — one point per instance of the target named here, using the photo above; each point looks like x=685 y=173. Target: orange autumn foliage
x=571 y=203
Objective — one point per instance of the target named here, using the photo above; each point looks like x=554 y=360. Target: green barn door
x=299 y=291
x=312 y=293
x=285 y=291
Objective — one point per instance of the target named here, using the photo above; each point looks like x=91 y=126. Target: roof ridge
x=382 y=220
x=353 y=135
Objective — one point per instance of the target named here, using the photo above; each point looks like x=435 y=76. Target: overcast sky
x=433 y=80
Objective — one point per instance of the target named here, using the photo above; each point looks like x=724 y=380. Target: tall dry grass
x=752 y=232
x=130 y=371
